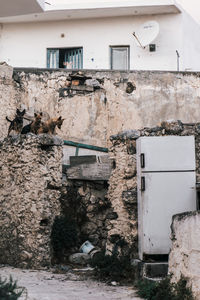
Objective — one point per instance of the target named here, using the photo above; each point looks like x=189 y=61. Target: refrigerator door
x=163 y=195
x=166 y=153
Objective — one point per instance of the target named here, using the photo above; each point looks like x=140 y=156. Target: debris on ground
x=47 y=285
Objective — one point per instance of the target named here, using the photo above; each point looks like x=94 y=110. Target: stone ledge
x=6 y=71
x=184 y=215
x=42 y=139
x=129 y=134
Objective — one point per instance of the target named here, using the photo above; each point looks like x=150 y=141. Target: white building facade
x=101 y=37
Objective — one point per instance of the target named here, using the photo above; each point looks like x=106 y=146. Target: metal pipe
x=138 y=40
x=178 y=56
x=85 y=146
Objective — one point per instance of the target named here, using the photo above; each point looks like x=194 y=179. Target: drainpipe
x=1 y=31
x=178 y=56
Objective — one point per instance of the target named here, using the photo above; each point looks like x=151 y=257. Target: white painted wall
x=25 y=44
x=192 y=7
x=191 y=43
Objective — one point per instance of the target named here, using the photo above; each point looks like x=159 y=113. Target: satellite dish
x=147 y=33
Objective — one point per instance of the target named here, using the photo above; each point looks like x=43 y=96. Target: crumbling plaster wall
x=30 y=171
x=184 y=257
x=110 y=103
x=122 y=192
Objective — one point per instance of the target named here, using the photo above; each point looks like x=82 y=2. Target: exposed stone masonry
x=32 y=194
x=184 y=258
x=95 y=105
x=123 y=195
x=30 y=171
x=86 y=203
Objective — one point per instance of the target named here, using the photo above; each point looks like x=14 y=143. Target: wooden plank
x=86 y=88
x=93 y=171
x=83 y=159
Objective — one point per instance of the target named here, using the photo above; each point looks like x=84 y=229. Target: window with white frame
x=119 y=57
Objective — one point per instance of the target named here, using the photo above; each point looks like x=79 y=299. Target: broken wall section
x=122 y=192
x=31 y=172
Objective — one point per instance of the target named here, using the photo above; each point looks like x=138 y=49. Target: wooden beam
x=94 y=170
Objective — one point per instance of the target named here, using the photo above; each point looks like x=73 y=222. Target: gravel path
x=46 y=285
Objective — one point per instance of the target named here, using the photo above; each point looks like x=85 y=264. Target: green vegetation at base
x=111 y=267
x=9 y=289
x=164 y=289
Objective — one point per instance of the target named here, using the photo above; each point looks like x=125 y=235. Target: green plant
x=182 y=289
x=145 y=288
x=165 y=289
x=63 y=235
x=9 y=289
x=112 y=267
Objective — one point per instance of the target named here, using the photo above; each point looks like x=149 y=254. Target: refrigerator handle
x=142 y=183
x=142 y=160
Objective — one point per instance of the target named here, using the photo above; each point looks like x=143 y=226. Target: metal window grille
x=74 y=58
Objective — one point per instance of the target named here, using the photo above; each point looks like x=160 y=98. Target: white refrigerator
x=166 y=186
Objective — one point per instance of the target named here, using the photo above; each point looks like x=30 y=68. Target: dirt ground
x=49 y=285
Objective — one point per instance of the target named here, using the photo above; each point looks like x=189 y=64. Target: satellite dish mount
x=134 y=34
x=146 y=34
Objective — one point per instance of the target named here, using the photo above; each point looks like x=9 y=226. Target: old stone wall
x=30 y=171
x=122 y=192
x=97 y=104
x=32 y=194
x=184 y=258
x=87 y=204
